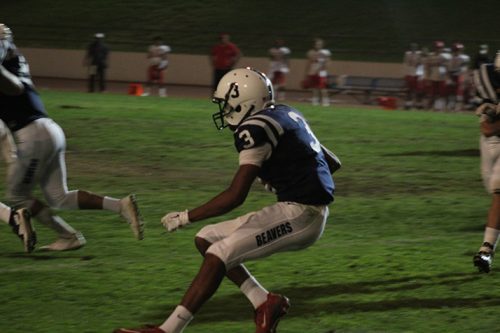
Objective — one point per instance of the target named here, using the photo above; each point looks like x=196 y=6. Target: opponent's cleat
x=268 y=314
x=484 y=258
x=66 y=243
x=20 y=221
x=130 y=212
x=147 y=329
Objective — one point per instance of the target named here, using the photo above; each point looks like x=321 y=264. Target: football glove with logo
x=174 y=220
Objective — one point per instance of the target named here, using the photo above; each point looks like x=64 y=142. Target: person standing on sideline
x=279 y=67
x=41 y=145
x=413 y=74
x=96 y=59
x=318 y=61
x=487 y=84
x=276 y=146
x=158 y=63
x=223 y=57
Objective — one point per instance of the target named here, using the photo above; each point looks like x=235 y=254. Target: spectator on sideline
x=436 y=64
x=96 y=59
x=158 y=63
x=223 y=56
x=279 y=67
x=317 y=73
x=413 y=73
x=458 y=75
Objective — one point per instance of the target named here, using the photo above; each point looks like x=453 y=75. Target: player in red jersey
x=224 y=55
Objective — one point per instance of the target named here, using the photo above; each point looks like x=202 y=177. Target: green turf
x=354 y=30
x=395 y=256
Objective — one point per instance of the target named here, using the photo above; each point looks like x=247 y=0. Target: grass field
x=396 y=255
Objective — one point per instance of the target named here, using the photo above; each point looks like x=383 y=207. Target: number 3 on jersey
x=247 y=137
x=315 y=145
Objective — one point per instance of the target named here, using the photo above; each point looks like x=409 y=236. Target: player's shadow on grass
x=311 y=300
x=451 y=153
x=46 y=256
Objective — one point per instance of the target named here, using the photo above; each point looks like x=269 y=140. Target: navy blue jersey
x=487 y=83
x=297 y=168
x=19 y=111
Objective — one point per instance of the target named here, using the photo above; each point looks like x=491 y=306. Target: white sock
x=4 y=213
x=177 y=321
x=111 y=204
x=491 y=236
x=255 y=293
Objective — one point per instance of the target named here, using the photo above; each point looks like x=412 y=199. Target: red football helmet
x=438 y=44
x=457 y=47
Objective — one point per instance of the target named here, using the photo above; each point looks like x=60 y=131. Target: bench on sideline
x=366 y=87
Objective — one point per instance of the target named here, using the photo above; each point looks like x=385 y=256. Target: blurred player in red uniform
x=436 y=66
x=279 y=67
x=224 y=55
x=458 y=73
x=317 y=73
x=158 y=63
x=413 y=73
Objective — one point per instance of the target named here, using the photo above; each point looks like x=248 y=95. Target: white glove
x=174 y=220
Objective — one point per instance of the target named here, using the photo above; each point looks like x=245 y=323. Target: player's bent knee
x=201 y=244
x=221 y=251
x=207 y=233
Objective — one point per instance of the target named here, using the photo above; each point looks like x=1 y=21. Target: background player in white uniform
x=279 y=67
x=158 y=63
x=276 y=145
x=458 y=74
x=317 y=73
x=413 y=70
x=436 y=64
x=41 y=145
x=487 y=84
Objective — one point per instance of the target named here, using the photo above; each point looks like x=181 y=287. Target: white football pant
x=40 y=148
x=284 y=226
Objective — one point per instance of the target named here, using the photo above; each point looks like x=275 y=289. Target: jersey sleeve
x=256 y=132
x=255 y=156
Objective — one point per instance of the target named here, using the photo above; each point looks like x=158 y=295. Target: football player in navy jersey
x=41 y=145
x=276 y=145
x=487 y=85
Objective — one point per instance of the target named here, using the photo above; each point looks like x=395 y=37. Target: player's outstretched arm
x=9 y=83
x=224 y=202
x=333 y=161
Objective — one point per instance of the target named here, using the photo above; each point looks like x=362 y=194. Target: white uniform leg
x=284 y=226
x=490 y=163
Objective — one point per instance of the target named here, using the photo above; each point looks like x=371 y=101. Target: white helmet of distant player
x=241 y=93
x=5 y=33
x=5 y=41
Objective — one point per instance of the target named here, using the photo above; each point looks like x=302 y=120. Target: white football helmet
x=5 y=41
x=240 y=93
x=5 y=33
